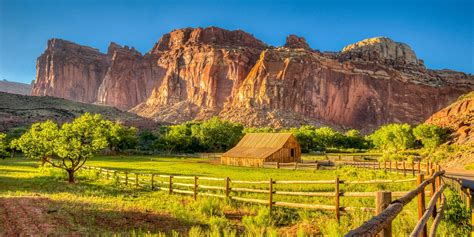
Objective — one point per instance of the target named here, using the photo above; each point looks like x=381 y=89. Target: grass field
x=99 y=206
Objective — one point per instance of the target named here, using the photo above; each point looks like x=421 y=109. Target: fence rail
x=226 y=188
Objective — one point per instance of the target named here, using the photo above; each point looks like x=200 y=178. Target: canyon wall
x=197 y=73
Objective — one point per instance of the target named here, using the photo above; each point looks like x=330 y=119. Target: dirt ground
x=38 y=216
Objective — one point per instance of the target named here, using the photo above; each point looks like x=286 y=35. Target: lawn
x=98 y=206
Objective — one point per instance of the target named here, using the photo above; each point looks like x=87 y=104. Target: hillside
x=15 y=87
x=22 y=111
x=197 y=73
x=458 y=117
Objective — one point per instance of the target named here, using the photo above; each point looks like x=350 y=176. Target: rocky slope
x=195 y=73
x=22 y=111
x=458 y=117
x=15 y=87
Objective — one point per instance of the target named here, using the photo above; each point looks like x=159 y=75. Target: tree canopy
x=3 y=146
x=68 y=147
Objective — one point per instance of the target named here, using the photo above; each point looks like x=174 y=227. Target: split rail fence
x=237 y=189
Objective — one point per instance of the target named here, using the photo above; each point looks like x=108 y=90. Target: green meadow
x=95 y=205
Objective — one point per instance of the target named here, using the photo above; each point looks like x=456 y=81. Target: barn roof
x=258 y=145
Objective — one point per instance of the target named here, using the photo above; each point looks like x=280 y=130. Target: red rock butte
x=197 y=73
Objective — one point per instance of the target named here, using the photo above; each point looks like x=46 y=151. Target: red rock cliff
x=195 y=73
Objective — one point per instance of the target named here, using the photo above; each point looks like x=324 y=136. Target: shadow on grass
x=33 y=215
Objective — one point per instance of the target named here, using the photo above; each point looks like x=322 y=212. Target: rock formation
x=196 y=73
x=459 y=118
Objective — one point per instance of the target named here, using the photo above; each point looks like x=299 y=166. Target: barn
x=256 y=148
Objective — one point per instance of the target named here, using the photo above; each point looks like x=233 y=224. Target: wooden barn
x=256 y=148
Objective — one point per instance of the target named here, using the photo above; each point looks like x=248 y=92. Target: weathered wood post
x=152 y=181
x=195 y=193
x=404 y=169
x=382 y=200
x=278 y=165
x=384 y=165
x=427 y=168
x=107 y=174
x=419 y=167
x=270 y=196
x=390 y=166
x=339 y=157
x=433 y=190
x=421 y=203
x=296 y=165
x=171 y=184
x=126 y=178
x=396 y=166
x=379 y=165
x=337 y=192
x=227 y=187
x=136 y=180
x=413 y=168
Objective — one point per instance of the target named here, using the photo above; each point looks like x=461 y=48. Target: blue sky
x=440 y=32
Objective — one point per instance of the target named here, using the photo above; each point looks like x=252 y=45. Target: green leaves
x=3 y=146
x=431 y=136
x=67 y=147
x=393 y=137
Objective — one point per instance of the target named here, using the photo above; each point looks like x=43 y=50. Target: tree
x=393 y=137
x=217 y=135
x=66 y=148
x=120 y=137
x=431 y=136
x=3 y=146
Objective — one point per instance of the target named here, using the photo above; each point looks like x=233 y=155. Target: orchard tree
x=120 y=137
x=217 y=135
x=393 y=137
x=431 y=136
x=3 y=146
x=66 y=148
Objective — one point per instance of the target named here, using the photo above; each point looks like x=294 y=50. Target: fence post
x=296 y=165
x=278 y=165
x=337 y=198
x=413 y=168
x=136 y=180
x=404 y=169
x=107 y=174
x=379 y=165
x=390 y=166
x=384 y=165
x=419 y=167
x=396 y=166
x=152 y=181
x=171 y=184
x=195 y=187
x=227 y=187
x=427 y=168
x=382 y=200
x=433 y=190
x=421 y=203
x=270 y=196
x=126 y=178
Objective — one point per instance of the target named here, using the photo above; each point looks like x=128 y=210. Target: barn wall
x=284 y=154
x=238 y=161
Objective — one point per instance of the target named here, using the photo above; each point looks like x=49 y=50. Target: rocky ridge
x=196 y=73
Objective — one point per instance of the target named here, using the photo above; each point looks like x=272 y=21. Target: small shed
x=256 y=148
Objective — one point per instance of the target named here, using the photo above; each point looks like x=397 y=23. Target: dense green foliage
x=393 y=137
x=431 y=136
x=68 y=147
x=3 y=146
x=119 y=137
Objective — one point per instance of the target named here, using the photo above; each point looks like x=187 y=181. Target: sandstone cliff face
x=196 y=73
x=458 y=117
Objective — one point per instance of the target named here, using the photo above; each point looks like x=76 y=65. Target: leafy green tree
x=217 y=135
x=393 y=137
x=38 y=142
x=353 y=139
x=328 y=137
x=431 y=136
x=120 y=137
x=66 y=148
x=307 y=138
x=3 y=146
x=147 y=140
x=179 y=138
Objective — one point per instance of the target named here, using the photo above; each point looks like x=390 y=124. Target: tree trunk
x=71 y=176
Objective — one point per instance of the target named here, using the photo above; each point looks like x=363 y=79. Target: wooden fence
x=226 y=189
x=381 y=223
x=401 y=167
